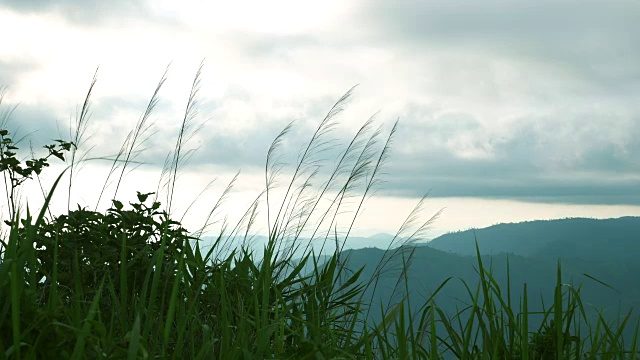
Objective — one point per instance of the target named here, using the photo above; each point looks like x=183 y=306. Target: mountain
x=518 y=253
x=527 y=252
x=257 y=242
x=580 y=238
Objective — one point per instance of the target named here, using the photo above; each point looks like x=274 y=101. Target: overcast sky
x=508 y=110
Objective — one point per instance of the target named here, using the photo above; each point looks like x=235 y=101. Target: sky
x=507 y=110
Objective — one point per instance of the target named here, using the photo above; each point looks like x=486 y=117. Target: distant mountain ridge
x=580 y=238
x=604 y=249
x=380 y=241
x=588 y=249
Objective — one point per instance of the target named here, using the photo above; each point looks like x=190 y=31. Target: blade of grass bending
x=485 y=281
x=134 y=340
x=512 y=321
x=386 y=320
x=86 y=326
x=601 y=282
x=15 y=291
x=524 y=330
x=367 y=346
x=634 y=350
x=40 y=218
x=190 y=304
x=159 y=256
x=432 y=325
x=53 y=295
x=123 y=278
x=401 y=338
x=78 y=293
x=172 y=301
x=557 y=315
x=613 y=336
x=30 y=238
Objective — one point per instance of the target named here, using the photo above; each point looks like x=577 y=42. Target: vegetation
x=133 y=283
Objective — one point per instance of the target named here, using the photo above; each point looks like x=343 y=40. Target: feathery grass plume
x=184 y=134
x=399 y=246
x=417 y=235
x=306 y=161
x=77 y=133
x=357 y=142
x=135 y=138
x=364 y=165
x=222 y=244
x=300 y=206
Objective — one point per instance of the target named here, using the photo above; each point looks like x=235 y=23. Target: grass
x=133 y=283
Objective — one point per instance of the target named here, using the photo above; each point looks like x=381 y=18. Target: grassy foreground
x=132 y=283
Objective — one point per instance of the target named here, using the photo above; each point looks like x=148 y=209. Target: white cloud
x=496 y=99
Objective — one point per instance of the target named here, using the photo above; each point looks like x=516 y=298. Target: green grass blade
x=78 y=351
x=134 y=340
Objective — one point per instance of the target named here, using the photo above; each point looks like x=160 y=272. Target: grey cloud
x=12 y=70
x=579 y=147
x=273 y=47
x=589 y=159
x=214 y=144
x=82 y=12
x=594 y=40
x=561 y=155
x=34 y=125
x=107 y=130
x=39 y=124
x=247 y=150
x=576 y=160
x=530 y=189
x=538 y=159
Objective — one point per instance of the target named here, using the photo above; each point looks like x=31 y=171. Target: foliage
x=87 y=246
x=17 y=173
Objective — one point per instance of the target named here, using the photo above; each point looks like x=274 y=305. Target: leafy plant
x=87 y=246
x=16 y=172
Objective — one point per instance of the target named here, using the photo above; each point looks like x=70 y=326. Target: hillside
x=601 y=249
x=586 y=239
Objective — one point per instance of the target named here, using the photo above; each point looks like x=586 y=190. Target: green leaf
x=143 y=197
x=118 y=204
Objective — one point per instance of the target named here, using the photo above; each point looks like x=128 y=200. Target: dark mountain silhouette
x=606 y=250
x=586 y=239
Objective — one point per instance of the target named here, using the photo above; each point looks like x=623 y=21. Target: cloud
x=589 y=40
x=81 y=12
x=11 y=70
x=582 y=158
x=587 y=158
x=499 y=99
x=510 y=26
x=526 y=100
x=35 y=125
